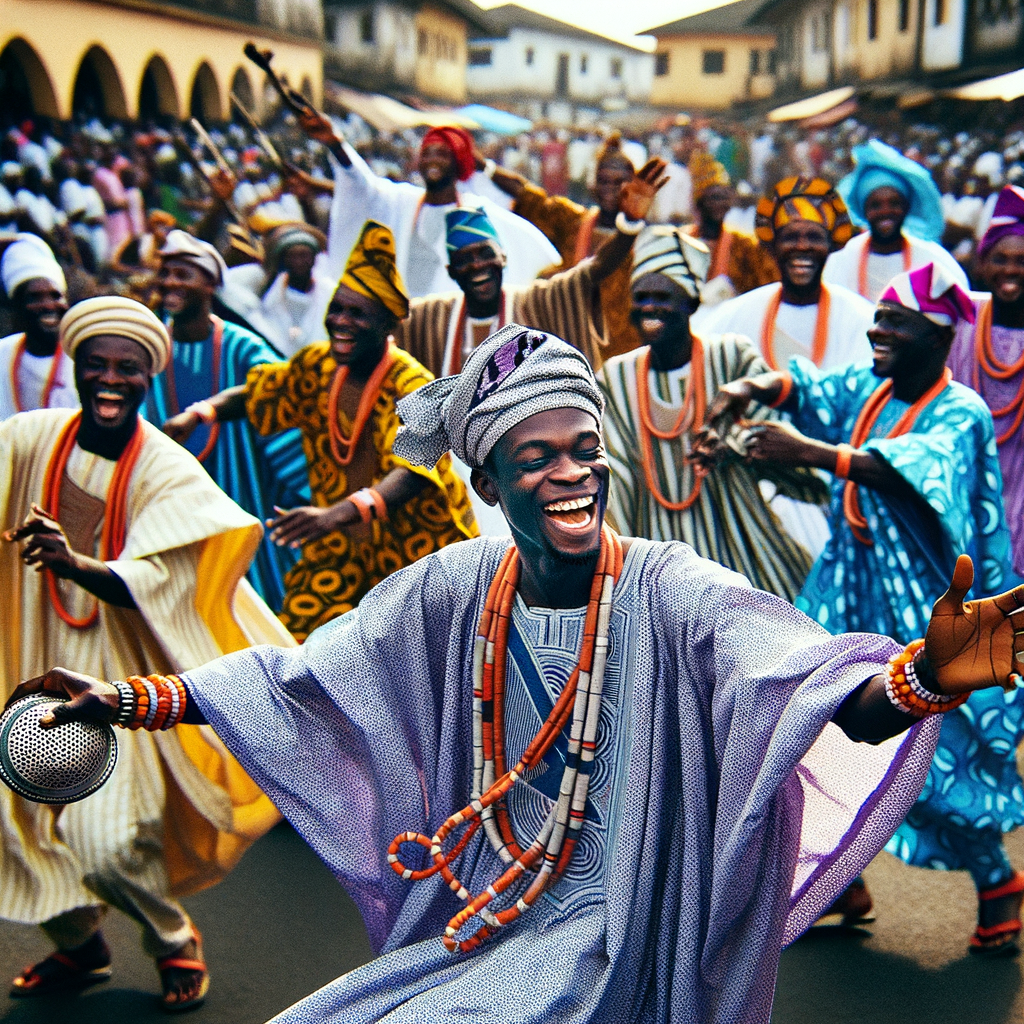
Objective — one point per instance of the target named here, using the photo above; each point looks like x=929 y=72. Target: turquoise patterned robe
x=973 y=793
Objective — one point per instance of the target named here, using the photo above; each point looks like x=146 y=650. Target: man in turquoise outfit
x=916 y=483
x=210 y=355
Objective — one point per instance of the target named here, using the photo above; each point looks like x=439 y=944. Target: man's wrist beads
x=151 y=702
x=905 y=690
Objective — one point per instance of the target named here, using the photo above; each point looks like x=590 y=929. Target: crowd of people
x=347 y=473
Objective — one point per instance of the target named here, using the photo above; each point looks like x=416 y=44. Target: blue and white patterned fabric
x=973 y=793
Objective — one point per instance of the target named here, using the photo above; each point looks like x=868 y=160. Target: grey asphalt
x=279 y=927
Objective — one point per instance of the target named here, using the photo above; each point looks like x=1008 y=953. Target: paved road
x=280 y=927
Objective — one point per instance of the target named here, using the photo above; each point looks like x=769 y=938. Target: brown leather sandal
x=1001 y=939
x=172 y=968
x=65 y=971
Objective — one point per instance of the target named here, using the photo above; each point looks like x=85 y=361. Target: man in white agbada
x=34 y=372
x=896 y=199
x=416 y=215
x=120 y=554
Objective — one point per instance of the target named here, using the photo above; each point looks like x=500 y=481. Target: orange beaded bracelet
x=905 y=691
x=844 y=456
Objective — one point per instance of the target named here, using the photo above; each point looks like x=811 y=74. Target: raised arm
x=226 y=405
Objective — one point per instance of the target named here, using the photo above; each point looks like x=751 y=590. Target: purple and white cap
x=932 y=292
x=514 y=374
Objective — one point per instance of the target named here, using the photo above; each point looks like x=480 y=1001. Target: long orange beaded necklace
x=172 y=390
x=866 y=420
x=820 y=328
x=115 y=522
x=862 y=268
x=580 y=699
x=51 y=377
x=986 y=359
x=344 y=448
x=694 y=401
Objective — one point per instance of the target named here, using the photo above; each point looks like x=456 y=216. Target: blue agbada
x=256 y=472
x=973 y=793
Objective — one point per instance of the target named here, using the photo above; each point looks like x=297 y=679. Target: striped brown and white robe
x=730 y=522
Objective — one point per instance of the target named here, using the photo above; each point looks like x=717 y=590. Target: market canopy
x=494 y=120
x=1003 y=87
x=813 y=106
x=387 y=114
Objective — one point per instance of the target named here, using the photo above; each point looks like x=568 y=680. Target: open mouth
x=1009 y=291
x=881 y=351
x=49 y=321
x=342 y=343
x=575 y=514
x=651 y=324
x=173 y=302
x=108 y=405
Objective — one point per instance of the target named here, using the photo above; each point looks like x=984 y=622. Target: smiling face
x=610 y=178
x=38 y=307
x=357 y=328
x=885 y=210
x=185 y=290
x=1002 y=270
x=801 y=248
x=478 y=270
x=660 y=309
x=550 y=476
x=112 y=374
x=903 y=340
x=437 y=166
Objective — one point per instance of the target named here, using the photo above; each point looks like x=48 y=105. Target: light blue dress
x=973 y=793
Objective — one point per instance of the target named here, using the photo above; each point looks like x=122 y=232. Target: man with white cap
x=916 y=483
x=120 y=551
x=208 y=355
x=34 y=372
x=645 y=863
x=656 y=398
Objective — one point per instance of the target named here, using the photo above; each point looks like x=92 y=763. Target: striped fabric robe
x=730 y=522
x=187 y=549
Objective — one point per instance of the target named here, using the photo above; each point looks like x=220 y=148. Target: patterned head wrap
x=812 y=199
x=27 y=258
x=931 y=291
x=181 y=245
x=372 y=271
x=125 y=318
x=515 y=374
x=662 y=249
x=1007 y=218
x=467 y=227
x=294 y=233
x=611 y=152
x=460 y=142
x=877 y=165
x=705 y=172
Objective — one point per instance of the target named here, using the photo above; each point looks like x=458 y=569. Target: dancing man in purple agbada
x=572 y=777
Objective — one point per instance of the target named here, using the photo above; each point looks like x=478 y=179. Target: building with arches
x=127 y=59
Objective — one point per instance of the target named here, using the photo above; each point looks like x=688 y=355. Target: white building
x=548 y=69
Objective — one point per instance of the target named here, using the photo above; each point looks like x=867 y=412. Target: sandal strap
x=1003 y=928
x=1010 y=888
x=181 y=964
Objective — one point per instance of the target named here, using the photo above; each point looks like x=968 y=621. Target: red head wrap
x=460 y=142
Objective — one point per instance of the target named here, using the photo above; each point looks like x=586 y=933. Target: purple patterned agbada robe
x=742 y=812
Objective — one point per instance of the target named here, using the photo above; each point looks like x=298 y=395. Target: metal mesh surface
x=53 y=766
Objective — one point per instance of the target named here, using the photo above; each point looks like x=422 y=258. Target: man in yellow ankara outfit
x=142 y=560
x=374 y=513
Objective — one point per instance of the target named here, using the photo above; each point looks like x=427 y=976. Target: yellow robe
x=187 y=549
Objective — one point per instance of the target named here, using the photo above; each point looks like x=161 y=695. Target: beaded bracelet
x=785 y=391
x=904 y=689
x=137 y=683
x=844 y=456
x=205 y=410
x=153 y=703
x=370 y=504
x=126 y=703
x=627 y=226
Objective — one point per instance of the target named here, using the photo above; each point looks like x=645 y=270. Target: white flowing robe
x=360 y=195
x=32 y=376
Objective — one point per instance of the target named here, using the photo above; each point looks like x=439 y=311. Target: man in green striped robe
x=656 y=492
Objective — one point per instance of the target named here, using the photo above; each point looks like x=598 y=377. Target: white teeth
x=569 y=506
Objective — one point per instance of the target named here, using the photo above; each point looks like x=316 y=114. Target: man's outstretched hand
x=974 y=644
x=637 y=195
x=91 y=699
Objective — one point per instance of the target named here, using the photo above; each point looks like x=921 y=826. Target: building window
x=616 y=67
x=940 y=12
x=331 y=27
x=904 y=15
x=755 y=62
x=872 y=19
x=583 y=63
x=714 y=62
x=366 y=26
x=529 y=56
x=771 y=62
x=422 y=43
x=480 y=58
x=661 y=63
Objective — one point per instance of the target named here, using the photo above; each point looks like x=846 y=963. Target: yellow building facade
x=139 y=57
x=440 y=54
x=711 y=71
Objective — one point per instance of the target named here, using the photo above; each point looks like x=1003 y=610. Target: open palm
x=974 y=644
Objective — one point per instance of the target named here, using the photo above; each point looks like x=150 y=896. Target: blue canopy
x=492 y=120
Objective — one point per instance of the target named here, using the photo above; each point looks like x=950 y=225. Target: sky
x=612 y=17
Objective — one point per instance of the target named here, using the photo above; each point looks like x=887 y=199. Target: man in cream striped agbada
x=142 y=560
x=656 y=397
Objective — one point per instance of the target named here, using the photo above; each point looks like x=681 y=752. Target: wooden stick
x=293 y=100
x=261 y=135
x=204 y=137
